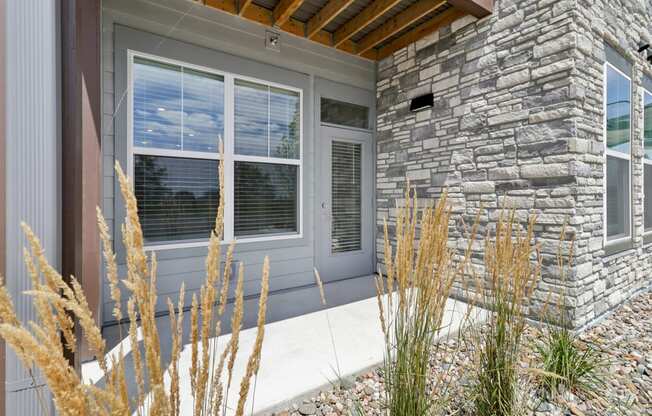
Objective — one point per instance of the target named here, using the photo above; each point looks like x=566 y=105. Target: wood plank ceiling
x=372 y=29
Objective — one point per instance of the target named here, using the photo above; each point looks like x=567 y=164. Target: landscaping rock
x=625 y=342
x=308 y=409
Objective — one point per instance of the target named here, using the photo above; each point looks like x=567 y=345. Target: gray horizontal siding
x=203 y=36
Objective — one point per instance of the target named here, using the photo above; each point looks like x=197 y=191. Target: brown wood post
x=3 y=184
x=81 y=146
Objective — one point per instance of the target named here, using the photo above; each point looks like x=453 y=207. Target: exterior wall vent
x=421 y=102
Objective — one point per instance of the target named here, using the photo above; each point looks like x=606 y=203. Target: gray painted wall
x=32 y=170
x=203 y=36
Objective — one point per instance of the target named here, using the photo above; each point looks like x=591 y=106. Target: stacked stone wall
x=610 y=276
x=517 y=122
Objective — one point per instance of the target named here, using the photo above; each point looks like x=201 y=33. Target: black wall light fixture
x=422 y=101
x=642 y=47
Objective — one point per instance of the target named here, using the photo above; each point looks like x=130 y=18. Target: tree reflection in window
x=177 y=197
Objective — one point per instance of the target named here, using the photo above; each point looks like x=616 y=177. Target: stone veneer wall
x=517 y=121
x=609 y=278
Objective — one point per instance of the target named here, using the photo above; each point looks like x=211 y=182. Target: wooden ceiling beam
x=476 y=8
x=265 y=17
x=424 y=29
x=362 y=20
x=325 y=16
x=243 y=5
x=366 y=48
x=284 y=11
x=398 y=23
x=228 y=6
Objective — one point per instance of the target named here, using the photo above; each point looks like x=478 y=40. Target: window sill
x=204 y=243
x=614 y=247
x=647 y=237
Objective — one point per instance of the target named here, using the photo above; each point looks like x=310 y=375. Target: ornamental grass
x=412 y=300
x=567 y=363
x=512 y=269
x=61 y=307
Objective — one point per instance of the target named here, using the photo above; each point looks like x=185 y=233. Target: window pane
x=177 y=108
x=177 y=197
x=157 y=105
x=251 y=119
x=618 y=111
x=203 y=111
x=284 y=124
x=266 y=198
x=647 y=183
x=346 y=114
x=346 y=197
x=267 y=121
x=618 y=211
x=647 y=124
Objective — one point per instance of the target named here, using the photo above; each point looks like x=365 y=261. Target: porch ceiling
x=372 y=29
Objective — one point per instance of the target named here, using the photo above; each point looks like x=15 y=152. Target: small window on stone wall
x=617 y=152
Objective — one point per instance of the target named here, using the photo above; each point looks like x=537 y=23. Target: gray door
x=344 y=237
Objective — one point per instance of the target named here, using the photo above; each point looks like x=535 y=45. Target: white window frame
x=644 y=160
x=229 y=152
x=616 y=154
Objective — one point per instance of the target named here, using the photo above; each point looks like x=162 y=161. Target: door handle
x=324 y=205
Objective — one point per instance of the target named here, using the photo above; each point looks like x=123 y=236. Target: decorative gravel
x=625 y=342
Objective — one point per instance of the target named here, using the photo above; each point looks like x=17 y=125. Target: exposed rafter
x=284 y=10
x=243 y=6
x=265 y=17
x=325 y=15
x=424 y=29
x=374 y=45
x=398 y=23
x=362 y=20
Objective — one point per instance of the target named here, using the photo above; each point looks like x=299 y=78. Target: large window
x=179 y=114
x=617 y=131
x=647 y=159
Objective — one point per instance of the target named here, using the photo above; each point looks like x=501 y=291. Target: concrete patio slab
x=304 y=354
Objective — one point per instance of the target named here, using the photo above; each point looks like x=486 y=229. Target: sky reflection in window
x=618 y=111
x=267 y=121
x=177 y=108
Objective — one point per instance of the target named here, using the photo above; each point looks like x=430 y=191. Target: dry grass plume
x=61 y=308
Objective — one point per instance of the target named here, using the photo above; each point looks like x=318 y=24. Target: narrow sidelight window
x=647 y=159
x=617 y=137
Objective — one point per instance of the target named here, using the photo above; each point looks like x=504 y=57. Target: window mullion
x=269 y=121
x=229 y=148
x=182 y=121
